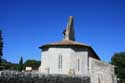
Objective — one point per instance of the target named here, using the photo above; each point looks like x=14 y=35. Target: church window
x=78 y=64
x=98 y=80
x=60 y=62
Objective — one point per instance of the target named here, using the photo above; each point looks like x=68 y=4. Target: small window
x=99 y=80
x=60 y=62
x=78 y=64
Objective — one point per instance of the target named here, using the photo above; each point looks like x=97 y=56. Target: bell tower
x=69 y=33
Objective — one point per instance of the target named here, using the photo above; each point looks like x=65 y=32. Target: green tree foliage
x=119 y=61
x=32 y=63
x=20 y=66
x=8 y=65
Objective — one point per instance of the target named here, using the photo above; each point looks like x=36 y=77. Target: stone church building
x=69 y=57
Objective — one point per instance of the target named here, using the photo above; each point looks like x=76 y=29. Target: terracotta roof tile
x=71 y=43
x=66 y=42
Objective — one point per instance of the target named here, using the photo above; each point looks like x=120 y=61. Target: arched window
x=60 y=62
x=78 y=65
x=99 y=80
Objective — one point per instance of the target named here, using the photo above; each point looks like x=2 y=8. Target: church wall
x=81 y=54
x=50 y=61
x=101 y=72
x=82 y=57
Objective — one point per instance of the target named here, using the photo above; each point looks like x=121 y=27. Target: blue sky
x=28 y=24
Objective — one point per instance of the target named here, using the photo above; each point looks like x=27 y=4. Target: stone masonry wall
x=50 y=59
x=101 y=72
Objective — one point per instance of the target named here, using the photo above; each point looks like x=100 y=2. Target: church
x=68 y=57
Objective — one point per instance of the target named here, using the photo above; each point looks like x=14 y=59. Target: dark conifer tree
x=20 y=67
x=1 y=47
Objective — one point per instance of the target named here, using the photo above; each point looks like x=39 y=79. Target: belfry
x=68 y=57
x=69 y=31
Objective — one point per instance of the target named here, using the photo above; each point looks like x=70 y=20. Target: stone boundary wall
x=101 y=72
x=28 y=77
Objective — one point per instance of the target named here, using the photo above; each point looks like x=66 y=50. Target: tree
x=1 y=50
x=20 y=66
x=32 y=63
x=1 y=46
x=119 y=61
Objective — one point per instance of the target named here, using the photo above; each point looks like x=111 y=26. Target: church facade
x=69 y=57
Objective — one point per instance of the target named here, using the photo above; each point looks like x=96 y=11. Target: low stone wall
x=25 y=77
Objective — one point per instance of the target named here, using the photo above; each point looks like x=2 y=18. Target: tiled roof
x=71 y=43
x=66 y=42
